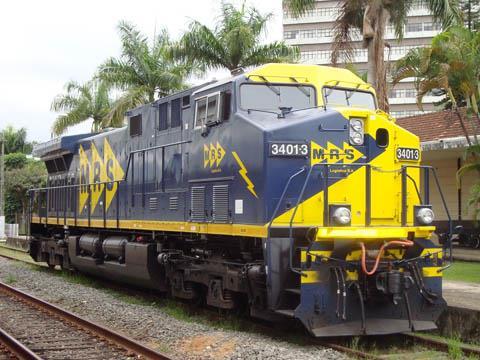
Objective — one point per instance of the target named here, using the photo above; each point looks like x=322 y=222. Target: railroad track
x=420 y=339
x=31 y=328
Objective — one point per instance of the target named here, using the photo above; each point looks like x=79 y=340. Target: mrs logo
x=213 y=155
x=99 y=170
x=332 y=154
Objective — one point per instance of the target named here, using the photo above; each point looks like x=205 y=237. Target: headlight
x=342 y=216
x=356 y=139
x=425 y=216
x=356 y=125
x=356 y=131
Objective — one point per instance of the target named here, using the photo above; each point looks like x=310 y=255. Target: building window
x=416 y=27
x=136 y=125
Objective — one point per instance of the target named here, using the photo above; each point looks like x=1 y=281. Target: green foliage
x=299 y=7
x=451 y=64
x=17 y=182
x=15 y=141
x=81 y=102
x=234 y=43
x=15 y=161
x=471 y=13
x=143 y=71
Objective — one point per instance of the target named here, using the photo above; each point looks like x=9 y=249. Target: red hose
x=380 y=253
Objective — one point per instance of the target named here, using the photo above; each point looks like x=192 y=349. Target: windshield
x=348 y=97
x=270 y=96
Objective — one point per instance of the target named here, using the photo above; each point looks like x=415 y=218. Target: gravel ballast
x=152 y=325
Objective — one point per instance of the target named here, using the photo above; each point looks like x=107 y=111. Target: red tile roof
x=438 y=125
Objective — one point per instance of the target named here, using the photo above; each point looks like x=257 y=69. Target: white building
x=313 y=34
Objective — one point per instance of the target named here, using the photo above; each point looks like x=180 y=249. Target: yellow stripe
x=175 y=226
x=389 y=232
x=327 y=233
x=432 y=271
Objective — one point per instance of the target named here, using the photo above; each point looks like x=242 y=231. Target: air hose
x=406 y=243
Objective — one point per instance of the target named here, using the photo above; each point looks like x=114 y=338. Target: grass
x=463 y=271
x=454 y=349
x=10 y=279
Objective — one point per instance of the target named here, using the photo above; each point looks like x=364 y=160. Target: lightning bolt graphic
x=243 y=172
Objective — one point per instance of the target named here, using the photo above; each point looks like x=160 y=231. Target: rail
x=111 y=336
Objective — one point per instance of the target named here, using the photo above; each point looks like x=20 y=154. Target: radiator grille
x=153 y=203
x=173 y=203
x=197 y=204
x=220 y=204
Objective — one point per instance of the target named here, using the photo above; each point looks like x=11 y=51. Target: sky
x=48 y=43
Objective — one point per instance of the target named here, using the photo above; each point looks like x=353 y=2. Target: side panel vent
x=173 y=203
x=197 y=204
x=220 y=204
x=153 y=203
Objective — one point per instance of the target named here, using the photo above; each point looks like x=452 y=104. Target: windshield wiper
x=301 y=87
x=269 y=85
x=263 y=111
x=311 y=107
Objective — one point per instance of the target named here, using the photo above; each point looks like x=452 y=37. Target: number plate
x=291 y=149
x=408 y=154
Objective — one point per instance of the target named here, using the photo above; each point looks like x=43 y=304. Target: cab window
x=334 y=96
x=271 y=96
x=207 y=110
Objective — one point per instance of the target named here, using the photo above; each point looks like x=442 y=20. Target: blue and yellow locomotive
x=283 y=189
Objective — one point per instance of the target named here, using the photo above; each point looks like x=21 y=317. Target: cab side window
x=201 y=112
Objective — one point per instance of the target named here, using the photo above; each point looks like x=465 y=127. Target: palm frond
x=271 y=53
x=299 y=7
x=130 y=99
x=350 y=17
x=447 y=12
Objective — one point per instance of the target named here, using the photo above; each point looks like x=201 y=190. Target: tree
x=82 y=102
x=16 y=140
x=144 y=72
x=370 y=17
x=471 y=13
x=234 y=43
x=17 y=183
x=15 y=161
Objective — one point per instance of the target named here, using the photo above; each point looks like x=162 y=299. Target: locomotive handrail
x=325 y=201
x=427 y=169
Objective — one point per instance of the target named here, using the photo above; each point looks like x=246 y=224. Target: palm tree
x=144 y=72
x=15 y=141
x=370 y=17
x=450 y=65
x=234 y=43
x=82 y=102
